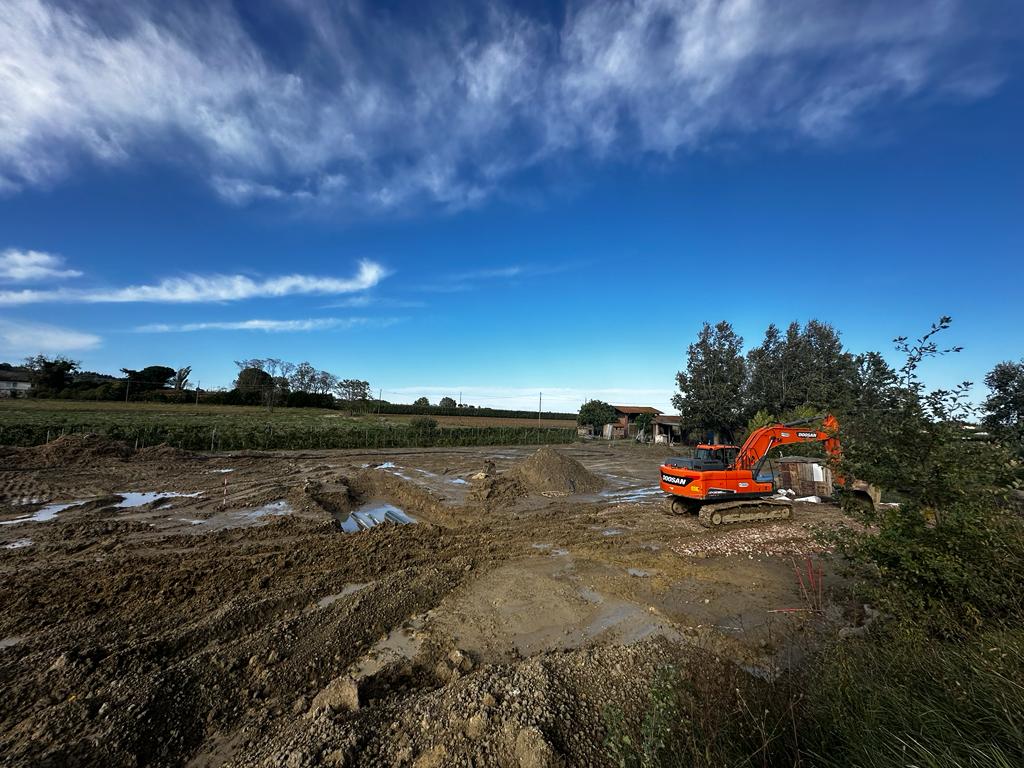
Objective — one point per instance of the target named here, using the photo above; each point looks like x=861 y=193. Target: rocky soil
x=169 y=609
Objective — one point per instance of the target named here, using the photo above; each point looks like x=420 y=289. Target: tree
x=595 y=414
x=447 y=402
x=50 y=373
x=252 y=379
x=422 y=402
x=149 y=378
x=353 y=390
x=1004 y=407
x=181 y=377
x=710 y=396
x=303 y=378
x=643 y=422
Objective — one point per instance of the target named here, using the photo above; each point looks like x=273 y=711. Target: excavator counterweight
x=727 y=484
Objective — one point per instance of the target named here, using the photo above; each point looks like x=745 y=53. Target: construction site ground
x=165 y=608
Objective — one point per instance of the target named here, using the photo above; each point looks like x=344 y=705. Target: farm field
x=173 y=608
x=226 y=427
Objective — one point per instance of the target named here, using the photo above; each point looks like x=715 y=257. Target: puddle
x=348 y=589
x=138 y=499
x=559 y=552
x=591 y=596
x=189 y=521
x=632 y=494
x=399 y=644
x=273 y=509
x=373 y=514
x=460 y=481
x=219 y=471
x=42 y=515
x=541 y=546
x=13 y=640
x=19 y=544
x=638 y=572
x=386 y=465
x=612 y=532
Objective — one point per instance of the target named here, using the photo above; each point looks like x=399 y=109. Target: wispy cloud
x=24 y=266
x=375 y=111
x=465 y=281
x=21 y=338
x=269 y=326
x=206 y=288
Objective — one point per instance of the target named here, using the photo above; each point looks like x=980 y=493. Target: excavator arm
x=756 y=447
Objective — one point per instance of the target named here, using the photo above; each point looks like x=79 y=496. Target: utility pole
x=540 y=403
x=380 y=394
x=127 y=388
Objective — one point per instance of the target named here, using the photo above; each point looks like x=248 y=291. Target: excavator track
x=755 y=511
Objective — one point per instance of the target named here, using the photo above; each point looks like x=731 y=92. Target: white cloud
x=20 y=338
x=207 y=288
x=18 y=265
x=374 y=112
x=270 y=326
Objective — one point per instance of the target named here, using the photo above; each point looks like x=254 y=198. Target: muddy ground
x=238 y=623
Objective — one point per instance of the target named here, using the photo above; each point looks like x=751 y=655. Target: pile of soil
x=496 y=490
x=70 y=450
x=550 y=472
x=161 y=452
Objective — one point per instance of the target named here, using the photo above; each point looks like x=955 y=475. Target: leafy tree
x=951 y=555
x=253 y=380
x=643 y=423
x=149 y=378
x=447 y=402
x=1004 y=407
x=50 y=373
x=181 y=377
x=303 y=378
x=353 y=390
x=710 y=396
x=422 y=402
x=595 y=414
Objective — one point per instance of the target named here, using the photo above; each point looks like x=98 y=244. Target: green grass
x=206 y=427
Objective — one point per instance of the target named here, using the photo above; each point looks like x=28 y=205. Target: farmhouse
x=667 y=430
x=14 y=381
x=625 y=420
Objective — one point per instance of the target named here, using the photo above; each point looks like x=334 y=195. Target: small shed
x=667 y=430
x=15 y=381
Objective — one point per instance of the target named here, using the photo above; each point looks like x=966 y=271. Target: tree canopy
x=448 y=402
x=595 y=413
x=710 y=396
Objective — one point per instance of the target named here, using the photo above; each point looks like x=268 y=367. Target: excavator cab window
x=716 y=458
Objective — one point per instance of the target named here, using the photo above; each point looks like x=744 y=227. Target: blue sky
x=505 y=199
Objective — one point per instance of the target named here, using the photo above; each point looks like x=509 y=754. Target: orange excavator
x=728 y=484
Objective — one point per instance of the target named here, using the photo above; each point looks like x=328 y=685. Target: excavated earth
x=163 y=608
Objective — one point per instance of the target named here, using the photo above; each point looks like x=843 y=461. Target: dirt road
x=161 y=608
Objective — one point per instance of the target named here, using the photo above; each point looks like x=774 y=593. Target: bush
x=423 y=424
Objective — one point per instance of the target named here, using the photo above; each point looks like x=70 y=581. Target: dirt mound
x=161 y=452
x=70 y=450
x=496 y=490
x=552 y=473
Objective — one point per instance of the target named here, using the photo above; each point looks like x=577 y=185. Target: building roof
x=636 y=409
x=663 y=419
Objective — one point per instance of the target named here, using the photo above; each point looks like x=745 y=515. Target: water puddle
x=373 y=514
x=132 y=499
x=612 y=532
x=541 y=546
x=11 y=641
x=640 y=573
x=219 y=471
x=632 y=494
x=273 y=509
x=42 y=515
x=398 y=645
x=348 y=589
x=19 y=544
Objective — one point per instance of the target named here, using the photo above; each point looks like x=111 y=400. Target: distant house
x=625 y=421
x=14 y=381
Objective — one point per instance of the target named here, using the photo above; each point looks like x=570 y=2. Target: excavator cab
x=716 y=456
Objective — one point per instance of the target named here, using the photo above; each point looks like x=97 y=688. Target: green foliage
x=643 y=422
x=951 y=556
x=595 y=413
x=710 y=393
x=51 y=374
x=760 y=419
x=1004 y=407
x=448 y=403
x=150 y=377
x=423 y=424
x=422 y=402
x=900 y=698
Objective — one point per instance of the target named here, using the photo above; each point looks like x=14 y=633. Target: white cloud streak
x=268 y=326
x=374 y=112
x=19 y=338
x=193 y=289
x=26 y=266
